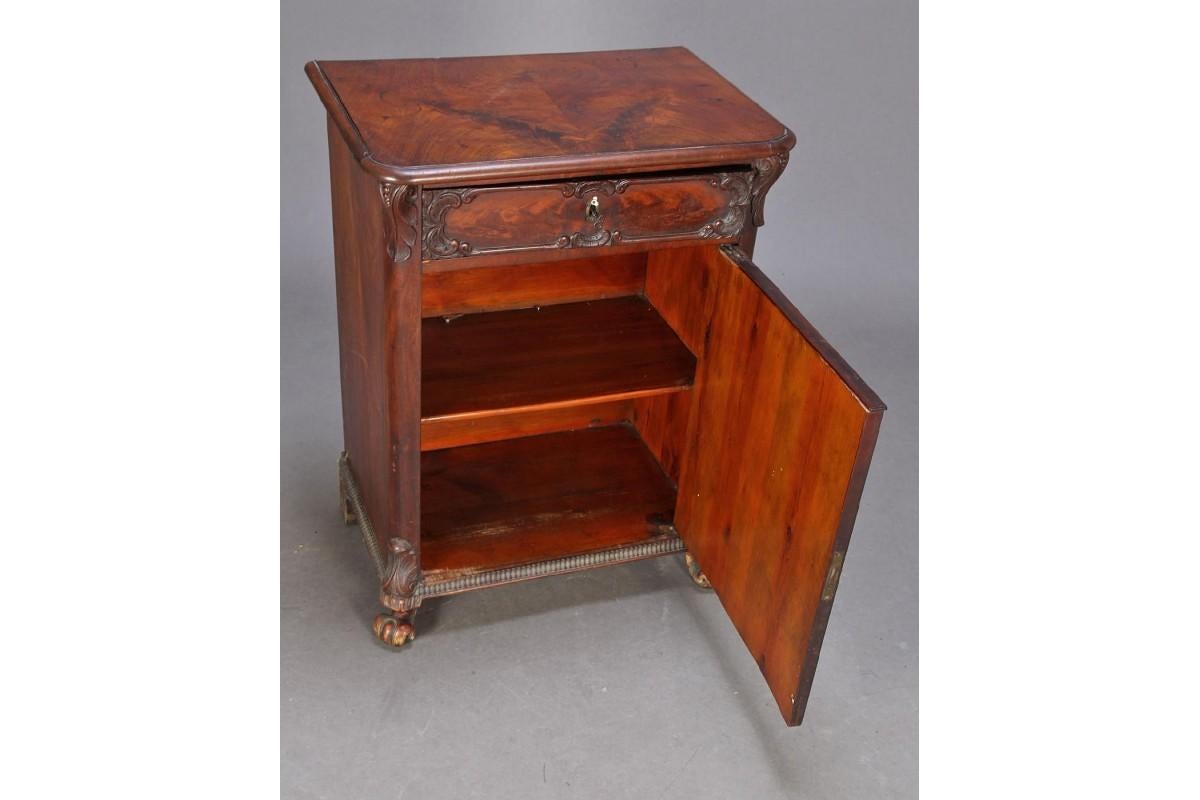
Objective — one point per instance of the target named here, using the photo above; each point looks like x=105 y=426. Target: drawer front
x=547 y=216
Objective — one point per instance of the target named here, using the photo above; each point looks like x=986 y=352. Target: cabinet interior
x=555 y=399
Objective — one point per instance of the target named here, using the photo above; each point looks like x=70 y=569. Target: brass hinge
x=831 y=579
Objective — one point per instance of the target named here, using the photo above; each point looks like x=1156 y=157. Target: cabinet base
x=396 y=628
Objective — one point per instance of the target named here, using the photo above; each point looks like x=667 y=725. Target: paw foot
x=393 y=630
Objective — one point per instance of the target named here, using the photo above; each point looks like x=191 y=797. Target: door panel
x=771 y=461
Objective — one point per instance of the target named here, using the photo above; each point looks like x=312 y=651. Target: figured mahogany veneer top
x=442 y=120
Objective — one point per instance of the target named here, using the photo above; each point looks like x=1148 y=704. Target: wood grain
x=662 y=421
x=555 y=356
x=525 y=285
x=378 y=302
x=772 y=460
x=531 y=499
x=438 y=434
x=471 y=222
x=500 y=118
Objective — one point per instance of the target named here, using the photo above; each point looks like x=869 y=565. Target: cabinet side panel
x=366 y=323
x=770 y=458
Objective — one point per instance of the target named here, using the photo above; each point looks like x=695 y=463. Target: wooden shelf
x=520 y=501
x=539 y=359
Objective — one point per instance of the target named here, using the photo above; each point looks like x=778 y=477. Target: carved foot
x=401 y=577
x=693 y=569
x=395 y=630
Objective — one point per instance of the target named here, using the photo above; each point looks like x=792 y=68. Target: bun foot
x=393 y=630
x=693 y=569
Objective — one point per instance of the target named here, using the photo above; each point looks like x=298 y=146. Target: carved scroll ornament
x=400 y=219
x=737 y=184
x=439 y=244
x=742 y=188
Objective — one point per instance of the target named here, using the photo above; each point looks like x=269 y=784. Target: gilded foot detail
x=693 y=569
x=394 y=630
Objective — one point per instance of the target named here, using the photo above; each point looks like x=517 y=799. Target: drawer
x=472 y=221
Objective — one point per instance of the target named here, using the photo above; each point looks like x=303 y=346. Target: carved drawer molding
x=471 y=221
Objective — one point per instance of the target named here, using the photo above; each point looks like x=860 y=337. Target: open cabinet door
x=770 y=451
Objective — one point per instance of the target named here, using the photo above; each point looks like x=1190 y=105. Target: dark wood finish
x=525 y=285
x=602 y=213
x=538 y=498
x=556 y=356
x=378 y=297
x=524 y=387
x=438 y=434
x=773 y=456
x=507 y=118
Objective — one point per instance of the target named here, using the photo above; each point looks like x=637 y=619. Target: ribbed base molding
x=432 y=587
x=350 y=493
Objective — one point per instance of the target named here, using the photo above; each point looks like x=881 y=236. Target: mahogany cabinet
x=557 y=354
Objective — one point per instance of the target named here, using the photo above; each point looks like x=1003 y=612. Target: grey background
x=627 y=681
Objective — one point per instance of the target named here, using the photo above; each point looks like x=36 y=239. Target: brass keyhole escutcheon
x=592 y=214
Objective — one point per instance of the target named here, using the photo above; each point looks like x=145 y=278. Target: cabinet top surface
x=442 y=120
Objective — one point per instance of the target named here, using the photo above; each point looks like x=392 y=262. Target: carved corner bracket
x=401 y=577
x=766 y=172
x=400 y=219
